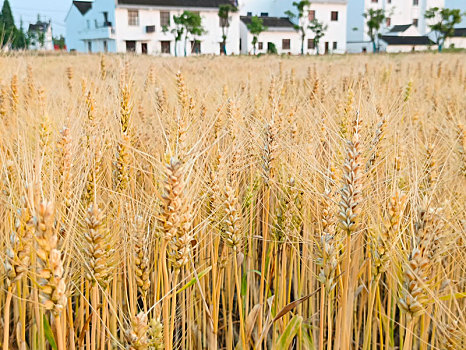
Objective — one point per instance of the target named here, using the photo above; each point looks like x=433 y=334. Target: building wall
x=275 y=8
x=74 y=22
x=80 y=30
x=399 y=11
x=273 y=35
x=457 y=42
x=210 y=42
x=48 y=41
x=336 y=31
x=405 y=48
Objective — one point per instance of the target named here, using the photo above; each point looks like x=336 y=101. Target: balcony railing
x=104 y=31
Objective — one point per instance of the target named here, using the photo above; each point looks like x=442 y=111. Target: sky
x=56 y=10
x=457 y=4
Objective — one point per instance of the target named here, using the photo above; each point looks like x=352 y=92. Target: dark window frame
x=164 y=44
x=133 y=18
x=164 y=18
x=286 y=44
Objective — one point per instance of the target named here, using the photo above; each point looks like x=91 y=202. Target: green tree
x=224 y=15
x=301 y=26
x=375 y=18
x=188 y=23
x=255 y=27
x=59 y=41
x=193 y=26
x=21 y=39
x=177 y=31
x=7 y=25
x=319 y=29
x=444 y=21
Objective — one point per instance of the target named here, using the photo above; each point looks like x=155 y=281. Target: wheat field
x=233 y=202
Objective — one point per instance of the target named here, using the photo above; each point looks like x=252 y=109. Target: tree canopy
x=255 y=27
x=9 y=34
x=443 y=23
x=319 y=29
x=224 y=15
x=374 y=22
x=301 y=23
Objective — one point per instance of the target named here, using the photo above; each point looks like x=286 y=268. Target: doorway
x=144 y=48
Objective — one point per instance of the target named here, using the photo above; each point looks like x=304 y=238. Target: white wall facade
x=458 y=42
x=336 y=30
x=149 y=16
x=89 y=34
x=403 y=48
x=399 y=11
x=273 y=35
x=48 y=41
x=274 y=8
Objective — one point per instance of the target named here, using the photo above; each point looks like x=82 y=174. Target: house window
x=334 y=15
x=88 y=22
x=130 y=46
x=249 y=14
x=335 y=45
x=89 y=46
x=286 y=44
x=164 y=18
x=415 y=2
x=196 y=47
x=264 y=14
x=260 y=45
x=388 y=21
x=165 y=46
x=105 y=46
x=96 y=24
x=375 y=1
x=311 y=15
x=415 y=22
x=133 y=17
x=389 y=1
x=311 y=44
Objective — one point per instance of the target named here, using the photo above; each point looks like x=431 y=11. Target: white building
x=397 y=12
x=458 y=40
x=401 y=43
x=137 y=26
x=40 y=35
x=280 y=37
x=332 y=13
x=263 y=8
